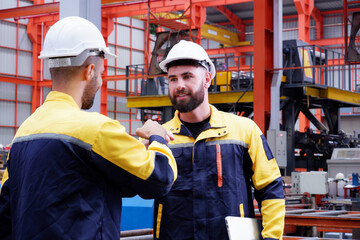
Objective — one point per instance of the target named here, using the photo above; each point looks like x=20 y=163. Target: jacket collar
x=217 y=120
x=63 y=97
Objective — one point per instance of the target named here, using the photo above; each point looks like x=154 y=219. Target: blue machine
x=137 y=213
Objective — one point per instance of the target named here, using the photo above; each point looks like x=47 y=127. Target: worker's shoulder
x=95 y=118
x=171 y=123
x=232 y=118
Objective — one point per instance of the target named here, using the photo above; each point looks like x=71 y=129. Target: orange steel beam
x=263 y=61
x=33 y=10
x=327 y=41
x=341 y=222
x=115 y=1
x=47 y=8
x=319 y=22
x=116 y=93
x=134 y=10
x=325 y=222
x=118 y=10
x=304 y=9
x=122 y=77
x=197 y=18
x=141 y=8
x=226 y=50
x=16 y=80
x=324 y=14
x=234 y=19
x=349 y=10
x=212 y=3
x=45 y=83
x=202 y=2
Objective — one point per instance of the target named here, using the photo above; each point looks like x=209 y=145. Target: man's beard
x=88 y=96
x=187 y=105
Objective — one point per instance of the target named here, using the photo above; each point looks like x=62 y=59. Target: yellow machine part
x=225 y=88
x=222 y=78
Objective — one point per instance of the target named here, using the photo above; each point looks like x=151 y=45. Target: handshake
x=153 y=128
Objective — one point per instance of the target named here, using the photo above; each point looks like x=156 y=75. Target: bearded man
x=220 y=157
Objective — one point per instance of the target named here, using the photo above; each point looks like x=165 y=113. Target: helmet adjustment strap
x=74 y=61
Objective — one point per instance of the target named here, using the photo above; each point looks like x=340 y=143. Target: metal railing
x=303 y=65
x=316 y=65
x=138 y=83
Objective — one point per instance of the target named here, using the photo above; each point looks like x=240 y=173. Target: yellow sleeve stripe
x=158 y=220
x=241 y=206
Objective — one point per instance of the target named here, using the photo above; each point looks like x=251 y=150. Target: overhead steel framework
x=189 y=14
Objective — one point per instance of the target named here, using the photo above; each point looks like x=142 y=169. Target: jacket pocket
x=185 y=168
x=177 y=152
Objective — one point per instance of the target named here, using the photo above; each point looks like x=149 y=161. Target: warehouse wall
x=15 y=61
x=127 y=40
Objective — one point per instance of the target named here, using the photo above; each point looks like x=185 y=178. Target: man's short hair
x=189 y=62
x=69 y=72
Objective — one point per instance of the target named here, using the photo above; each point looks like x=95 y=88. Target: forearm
x=273 y=218
x=127 y=162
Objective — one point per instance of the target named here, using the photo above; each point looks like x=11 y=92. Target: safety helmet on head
x=188 y=50
x=71 y=40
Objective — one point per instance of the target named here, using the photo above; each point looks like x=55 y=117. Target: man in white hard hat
x=219 y=155
x=68 y=169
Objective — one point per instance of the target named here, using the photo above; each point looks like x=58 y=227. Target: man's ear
x=207 y=80
x=89 y=72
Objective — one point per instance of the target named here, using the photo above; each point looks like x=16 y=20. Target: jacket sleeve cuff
x=157 y=138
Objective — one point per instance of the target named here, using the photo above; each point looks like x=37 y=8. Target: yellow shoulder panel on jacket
x=5 y=177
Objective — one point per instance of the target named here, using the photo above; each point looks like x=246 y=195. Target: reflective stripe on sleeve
x=158 y=220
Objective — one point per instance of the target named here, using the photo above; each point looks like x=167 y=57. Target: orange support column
x=34 y=33
x=36 y=29
x=304 y=9
x=263 y=61
x=197 y=19
x=107 y=26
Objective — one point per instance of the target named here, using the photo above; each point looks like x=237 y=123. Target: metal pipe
x=144 y=237
x=137 y=232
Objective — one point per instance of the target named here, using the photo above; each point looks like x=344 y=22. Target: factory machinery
x=327 y=88
x=313 y=81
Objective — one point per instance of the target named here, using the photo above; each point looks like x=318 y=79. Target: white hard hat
x=71 y=40
x=339 y=176
x=188 y=50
